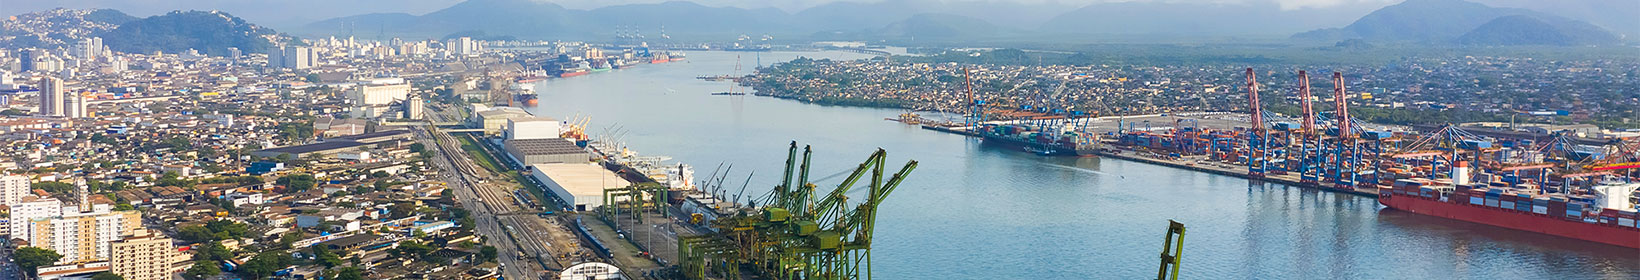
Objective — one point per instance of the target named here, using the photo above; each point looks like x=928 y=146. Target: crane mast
x=1257 y=137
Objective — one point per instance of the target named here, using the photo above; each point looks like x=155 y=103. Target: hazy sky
x=295 y=12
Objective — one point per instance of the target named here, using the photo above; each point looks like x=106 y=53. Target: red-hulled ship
x=1583 y=217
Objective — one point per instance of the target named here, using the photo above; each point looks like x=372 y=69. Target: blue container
x=1475 y=144
x=1377 y=135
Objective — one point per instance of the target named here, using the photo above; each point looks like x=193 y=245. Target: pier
x=1219 y=168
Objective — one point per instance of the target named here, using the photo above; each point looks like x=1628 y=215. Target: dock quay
x=1209 y=167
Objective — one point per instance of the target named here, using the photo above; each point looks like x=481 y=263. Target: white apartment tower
x=74 y=105
x=51 y=96
x=12 y=189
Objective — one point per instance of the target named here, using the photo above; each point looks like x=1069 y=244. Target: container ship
x=1607 y=215
x=1035 y=140
x=659 y=58
x=675 y=56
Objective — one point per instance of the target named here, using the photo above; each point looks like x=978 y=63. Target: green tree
x=487 y=254
x=417 y=147
x=227 y=229
x=400 y=210
x=349 y=273
x=54 y=187
x=379 y=174
x=297 y=182
x=264 y=264
x=323 y=256
x=196 y=234
x=412 y=249
x=212 y=251
x=311 y=77
x=31 y=258
x=106 y=276
x=201 y=269
x=289 y=239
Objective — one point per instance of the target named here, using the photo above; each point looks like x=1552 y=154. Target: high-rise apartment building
x=293 y=57
x=142 y=256
x=13 y=188
x=74 y=105
x=51 y=96
x=463 y=46
x=26 y=210
x=88 y=48
x=83 y=237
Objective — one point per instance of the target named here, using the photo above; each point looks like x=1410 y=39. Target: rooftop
x=546 y=146
x=581 y=179
x=309 y=148
x=532 y=119
x=367 y=136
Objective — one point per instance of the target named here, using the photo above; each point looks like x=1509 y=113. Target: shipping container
x=1477 y=200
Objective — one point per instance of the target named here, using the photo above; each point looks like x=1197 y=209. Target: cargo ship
x=675 y=56
x=1040 y=142
x=1605 y=216
x=579 y=69
x=573 y=72
x=601 y=65
x=659 y=58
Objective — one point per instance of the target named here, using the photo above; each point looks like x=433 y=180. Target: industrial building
x=336 y=145
x=301 y=151
x=533 y=128
x=541 y=151
x=494 y=120
x=374 y=137
x=371 y=94
x=578 y=184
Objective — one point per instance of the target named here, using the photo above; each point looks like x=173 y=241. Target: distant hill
x=939 y=27
x=1195 y=18
x=1617 y=16
x=57 y=28
x=689 y=18
x=1518 y=30
x=855 y=16
x=208 y=32
x=528 y=19
x=1427 y=20
x=1445 y=21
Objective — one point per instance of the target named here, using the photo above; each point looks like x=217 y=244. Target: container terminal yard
x=1551 y=183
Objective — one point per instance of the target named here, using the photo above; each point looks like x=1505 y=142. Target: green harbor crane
x=797 y=234
x=1171 y=247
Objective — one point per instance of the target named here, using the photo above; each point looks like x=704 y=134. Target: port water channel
x=973 y=211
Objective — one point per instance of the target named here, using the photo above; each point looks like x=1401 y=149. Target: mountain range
x=898 y=21
x=1470 y=23
x=911 y=22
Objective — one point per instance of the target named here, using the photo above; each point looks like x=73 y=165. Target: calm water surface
x=974 y=211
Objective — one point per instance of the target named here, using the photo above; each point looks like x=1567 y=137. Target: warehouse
x=533 y=128
x=578 y=184
x=303 y=151
x=374 y=137
x=539 y=151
